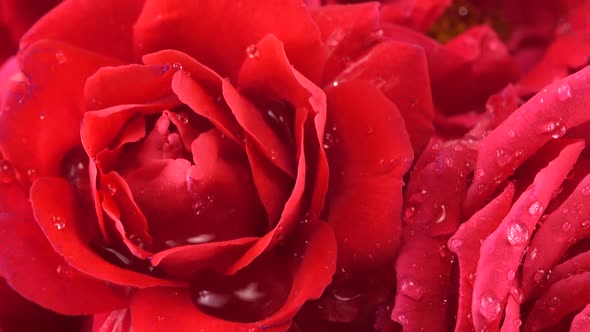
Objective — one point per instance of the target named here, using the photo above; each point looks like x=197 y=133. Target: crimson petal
x=581 y=321
x=400 y=71
x=41 y=115
x=74 y=21
x=547 y=115
x=33 y=269
x=159 y=309
x=466 y=243
x=195 y=27
x=558 y=232
x=365 y=184
x=502 y=251
x=53 y=204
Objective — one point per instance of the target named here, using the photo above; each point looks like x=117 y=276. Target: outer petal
x=18 y=314
x=466 y=243
x=365 y=184
x=557 y=303
x=41 y=115
x=581 y=321
x=53 y=203
x=400 y=71
x=502 y=251
x=32 y=268
x=558 y=233
x=160 y=309
x=348 y=31
x=547 y=115
x=217 y=33
x=109 y=23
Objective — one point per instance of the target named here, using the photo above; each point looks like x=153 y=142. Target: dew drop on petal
x=556 y=129
x=442 y=214
x=511 y=133
x=137 y=240
x=7 y=172
x=252 y=51
x=412 y=290
x=536 y=208
x=517 y=234
x=503 y=158
x=510 y=275
x=60 y=57
x=489 y=307
x=456 y=243
x=566 y=226
x=585 y=223
x=480 y=172
x=564 y=92
x=402 y=319
x=585 y=191
x=58 y=222
x=517 y=323
x=516 y=294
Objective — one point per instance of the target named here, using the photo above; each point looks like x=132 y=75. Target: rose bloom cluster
x=290 y=165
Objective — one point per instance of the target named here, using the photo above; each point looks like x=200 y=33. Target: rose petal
x=41 y=115
x=74 y=21
x=53 y=198
x=543 y=117
x=400 y=71
x=114 y=321
x=194 y=28
x=556 y=303
x=512 y=321
x=581 y=321
x=19 y=314
x=466 y=243
x=347 y=32
x=558 y=232
x=33 y=269
x=502 y=251
x=270 y=76
x=157 y=308
x=365 y=184
x=130 y=84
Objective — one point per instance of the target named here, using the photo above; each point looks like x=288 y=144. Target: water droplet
x=585 y=223
x=503 y=158
x=536 y=208
x=328 y=141
x=554 y=302
x=60 y=57
x=409 y=213
x=510 y=275
x=516 y=294
x=442 y=215
x=517 y=322
x=518 y=234
x=402 y=319
x=456 y=243
x=471 y=278
x=533 y=254
x=252 y=51
x=7 y=172
x=489 y=307
x=165 y=68
x=58 y=222
x=511 y=133
x=64 y=269
x=202 y=238
x=110 y=189
x=335 y=83
x=556 y=129
x=564 y=92
x=137 y=240
x=566 y=226
x=585 y=191
x=412 y=290
x=32 y=174
x=251 y=294
x=177 y=66
x=182 y=118
x=541 y=276
x=42 y=116
x=480 y=172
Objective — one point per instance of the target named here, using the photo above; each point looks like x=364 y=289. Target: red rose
x=238 y=165
x=174 y=166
